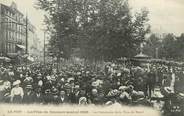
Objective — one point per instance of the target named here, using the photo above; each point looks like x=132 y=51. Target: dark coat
x=63 y=101
x=38 y=98
x=28 y=99
x=47 y=98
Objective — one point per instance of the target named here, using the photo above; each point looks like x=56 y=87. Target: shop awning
x=12 y=55
x=21 y=46
x=6 y=59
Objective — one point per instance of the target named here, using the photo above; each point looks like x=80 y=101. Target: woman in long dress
x=17 y=92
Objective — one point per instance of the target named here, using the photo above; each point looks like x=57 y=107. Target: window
x=13 y=48
x=13 y=35
x=6 y=34
x=16 y=28
x=9 y=48
x=10 y=36
x=3 y=11
x=6 y=45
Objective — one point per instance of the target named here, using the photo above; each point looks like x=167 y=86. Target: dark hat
x=70 y=79
x=47 y=91
x=67 y=86
x=131 y=87
x=54 y=91
x=38 y=89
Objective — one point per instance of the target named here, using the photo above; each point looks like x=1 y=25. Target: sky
x=166 y=16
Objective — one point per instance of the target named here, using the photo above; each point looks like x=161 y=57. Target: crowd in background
x=79 y=83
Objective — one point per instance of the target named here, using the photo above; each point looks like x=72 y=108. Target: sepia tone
x=91 y=57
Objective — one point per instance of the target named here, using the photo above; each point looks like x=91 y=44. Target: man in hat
x=38 y=77
x=5 y=91
x=96 y=97
x=63 y=98
x=11 y=73
x=150 y=83
x=55 y=93
x=2 y=71
x=28 y=95
x=54 y=80
x=47 y=96
x=38 y=96
x=74 y=95
x=28 y=80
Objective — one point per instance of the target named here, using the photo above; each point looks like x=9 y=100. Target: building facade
x=13 y=32
x=33 y=42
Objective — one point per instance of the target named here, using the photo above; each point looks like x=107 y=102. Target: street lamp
x=44 y=54
x=44 y=48
x=156 y=53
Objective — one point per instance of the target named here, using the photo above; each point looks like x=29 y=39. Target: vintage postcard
x=91 y=57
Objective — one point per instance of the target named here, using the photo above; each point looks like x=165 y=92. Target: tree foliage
x=169 y=47
x=102 y=29
x=152 y=43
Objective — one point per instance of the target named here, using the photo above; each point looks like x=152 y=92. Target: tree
x=152 y=43
x=111 y=32
x=169 y=46
x=103 y=29
x=179 y=44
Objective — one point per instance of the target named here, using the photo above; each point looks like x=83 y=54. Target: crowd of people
x=79 y=83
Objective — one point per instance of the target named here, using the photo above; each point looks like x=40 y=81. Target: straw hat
x=123 y=88
x=1 y=82
x=94 y=91
x=123 y=95
x=39 y=74
x=78 y=73
x=17 y=82
x=168 y=89
x=77 y=87
x=82 y=100
x=109 y=103
x=114 y=92
x=131 y=87
x=94 y=84
x=181 y=94
x=40 y=83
